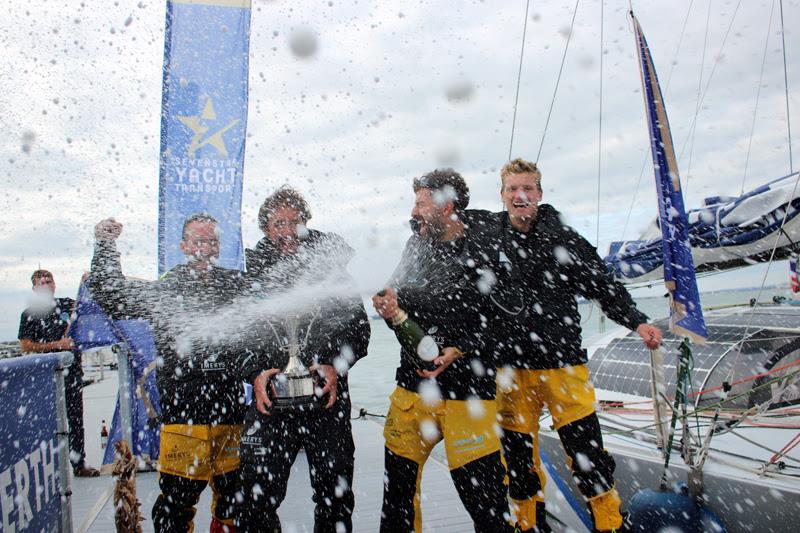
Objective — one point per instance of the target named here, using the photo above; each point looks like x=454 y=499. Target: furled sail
x=723 y=233
x=686 y=314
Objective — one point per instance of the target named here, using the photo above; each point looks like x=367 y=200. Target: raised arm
x=119 y=297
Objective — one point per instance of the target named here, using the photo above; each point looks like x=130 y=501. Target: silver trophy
x=294 y=386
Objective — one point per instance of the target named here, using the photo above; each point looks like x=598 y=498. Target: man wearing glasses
x=202 y=405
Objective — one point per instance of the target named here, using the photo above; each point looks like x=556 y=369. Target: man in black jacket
x=442 y=283
x=539 y=344
x=311 y=308
x=202 y=404
x=43 y=329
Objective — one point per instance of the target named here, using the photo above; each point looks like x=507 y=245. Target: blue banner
x=203 y=123
x=686 y=314
x=30 y=479
x=91 y=328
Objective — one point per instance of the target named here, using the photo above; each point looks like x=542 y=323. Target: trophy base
x=295 y=404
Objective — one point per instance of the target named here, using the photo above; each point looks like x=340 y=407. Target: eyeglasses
x=281 y=223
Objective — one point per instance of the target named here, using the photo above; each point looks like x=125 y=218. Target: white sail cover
x=725 y=232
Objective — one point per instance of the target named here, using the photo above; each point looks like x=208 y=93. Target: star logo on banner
x=198 y=125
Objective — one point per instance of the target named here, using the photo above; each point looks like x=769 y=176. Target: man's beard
x=433 y=229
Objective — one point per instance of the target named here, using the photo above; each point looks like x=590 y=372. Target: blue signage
x=203 y=123
x=30 y=460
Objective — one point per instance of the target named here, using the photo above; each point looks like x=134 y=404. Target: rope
x=558 y=79
x=783 y=451
x=745 y=380
x=723 y=401
x=684 y=363
x=758 y=95
x=519 y=78
x=786 y=90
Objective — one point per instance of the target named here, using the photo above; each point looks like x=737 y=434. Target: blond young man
x=539 y=350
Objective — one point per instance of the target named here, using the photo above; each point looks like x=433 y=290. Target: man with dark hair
x=43 y=329
x=330 y=331
x=548 y=264
x=443 y=283
x=202 y=404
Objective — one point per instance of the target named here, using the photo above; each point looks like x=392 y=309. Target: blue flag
x=91 y=328
x=203 y=123
x=686 y=314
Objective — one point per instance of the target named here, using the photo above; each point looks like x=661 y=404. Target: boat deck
x=442 y=510
x=441 y=507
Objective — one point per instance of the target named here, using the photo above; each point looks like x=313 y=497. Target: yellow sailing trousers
x=569 y=396
x=468 y=428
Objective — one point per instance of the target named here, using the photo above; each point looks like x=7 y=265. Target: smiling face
x=521 y=194
x=430 y=215
x=200 y=244
x=283 y=229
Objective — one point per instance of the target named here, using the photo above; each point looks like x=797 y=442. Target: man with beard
x=202 y=404
x=43 y=329
x=328 y=328
x=442 y=284
x=549 y=264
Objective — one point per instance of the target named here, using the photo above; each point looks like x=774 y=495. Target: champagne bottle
x=413 y=338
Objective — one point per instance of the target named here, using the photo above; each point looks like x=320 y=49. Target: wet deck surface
x=441 y=508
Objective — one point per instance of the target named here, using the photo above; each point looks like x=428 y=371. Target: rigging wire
x=693 y=131
x=788 y=201
x=758 y=95
x=599 y=145
x=600 y=128
x=763 y=407
x=711 y=75
x=519 y=78
x=558 y=79
x=786 y=90
x=666 y=90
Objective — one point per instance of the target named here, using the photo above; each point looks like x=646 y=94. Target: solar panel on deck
x=624 y=365
x=783 y=317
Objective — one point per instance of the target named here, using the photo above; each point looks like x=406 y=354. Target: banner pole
x=659 y=391
x=125 y=418
x=62 y=435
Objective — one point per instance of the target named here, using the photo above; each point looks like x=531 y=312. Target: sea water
x=372 y=378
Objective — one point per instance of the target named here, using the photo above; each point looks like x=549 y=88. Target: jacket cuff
x=634 y=319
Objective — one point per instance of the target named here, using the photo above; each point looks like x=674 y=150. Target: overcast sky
x=394 y=89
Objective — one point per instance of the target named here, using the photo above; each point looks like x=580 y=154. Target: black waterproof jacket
x=332 y=325
x=445 y=288
x=197 y=358
x=546 y=269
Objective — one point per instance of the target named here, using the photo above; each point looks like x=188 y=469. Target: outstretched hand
x=650 y=334
x=445 y=359
x=328 y=375
x=263 y=403
x=107 y=230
